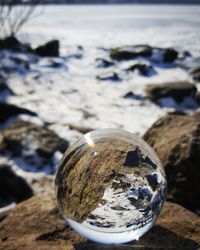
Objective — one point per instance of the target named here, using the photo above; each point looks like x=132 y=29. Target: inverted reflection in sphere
x=110 y=186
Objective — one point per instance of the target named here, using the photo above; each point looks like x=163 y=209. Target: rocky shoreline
x=33 y=138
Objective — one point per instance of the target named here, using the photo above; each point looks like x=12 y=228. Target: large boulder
x=50 y=49
x=176 y=90
x=176 y=139
x=33 y=144
x=13 y=188
x=37 y=224
x=9 y=110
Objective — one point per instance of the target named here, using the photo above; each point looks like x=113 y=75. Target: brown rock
x=41 y=184
x=22 y=132
x=34 y=143
x=177 y=90
x=176 y=228
x=36 y=224
x=176 y=139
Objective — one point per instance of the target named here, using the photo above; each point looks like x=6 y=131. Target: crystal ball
x=110 y=186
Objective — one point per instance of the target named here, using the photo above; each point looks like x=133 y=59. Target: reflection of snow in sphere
x=110 y=186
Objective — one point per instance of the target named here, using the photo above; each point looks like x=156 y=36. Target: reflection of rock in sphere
x=110 y=186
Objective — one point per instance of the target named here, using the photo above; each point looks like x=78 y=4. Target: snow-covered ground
x=71 y=96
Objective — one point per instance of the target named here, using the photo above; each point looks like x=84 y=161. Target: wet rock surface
x=37 y=224
x=176 y=139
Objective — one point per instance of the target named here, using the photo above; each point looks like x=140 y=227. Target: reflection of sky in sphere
x=110 y=186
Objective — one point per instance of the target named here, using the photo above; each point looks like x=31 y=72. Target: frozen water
x=110 y=186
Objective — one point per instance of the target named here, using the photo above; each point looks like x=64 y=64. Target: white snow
x=71 y=95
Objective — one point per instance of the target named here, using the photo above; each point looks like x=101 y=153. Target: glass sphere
x=110 y=186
